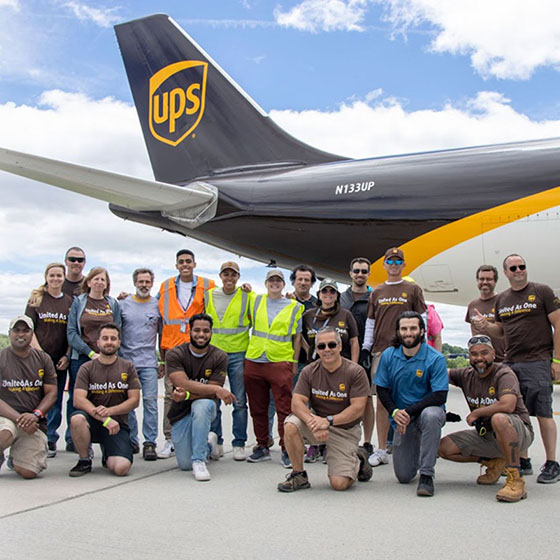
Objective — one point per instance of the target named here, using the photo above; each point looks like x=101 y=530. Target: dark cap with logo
x=394 y=253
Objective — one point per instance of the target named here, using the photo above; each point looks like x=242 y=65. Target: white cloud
x=324 y=15
x=504 y=38
x=102 y=17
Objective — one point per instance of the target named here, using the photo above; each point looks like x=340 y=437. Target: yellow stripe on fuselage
x=419 y=250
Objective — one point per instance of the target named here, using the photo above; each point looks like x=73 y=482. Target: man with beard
x=141 y=324
x=75 y=261
x=412 y=384
x=106 y=390
x=197 y=372
x=502 y=426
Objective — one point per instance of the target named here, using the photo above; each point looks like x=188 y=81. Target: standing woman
x=48 y=306
x=93 y=308
x=328 y=313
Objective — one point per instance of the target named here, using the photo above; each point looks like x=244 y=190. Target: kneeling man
x=501 y=420
x=336 y=389
x=107 y=389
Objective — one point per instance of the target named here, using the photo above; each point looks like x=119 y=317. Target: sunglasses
x=360 y=271
x=328 y=291
x=478 y=339
x=394 y=261
x=331 y=345
x=76 y=259
x=514 y=267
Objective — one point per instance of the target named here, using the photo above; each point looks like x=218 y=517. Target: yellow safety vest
x=231 y=334
x=275 y=339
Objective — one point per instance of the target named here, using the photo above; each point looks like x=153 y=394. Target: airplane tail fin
x=195 y=119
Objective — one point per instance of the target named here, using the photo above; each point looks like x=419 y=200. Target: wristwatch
x=331 y=420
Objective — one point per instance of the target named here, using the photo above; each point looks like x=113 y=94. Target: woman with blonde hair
x=48 y=306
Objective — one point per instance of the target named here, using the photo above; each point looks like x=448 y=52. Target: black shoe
x=83 y=466
x=425 y=486
x=525 y=466
x=70 y=447
x=369 y=448
x=51 y=449
x=135 y=448
x=550 y=473
x=149 y=452
x=365 y=472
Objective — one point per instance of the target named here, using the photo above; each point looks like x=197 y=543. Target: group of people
x=314 y=362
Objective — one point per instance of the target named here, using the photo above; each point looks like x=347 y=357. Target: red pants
x=259 y=380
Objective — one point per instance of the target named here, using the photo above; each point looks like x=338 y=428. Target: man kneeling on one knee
x=336 y=389
x=502 y=427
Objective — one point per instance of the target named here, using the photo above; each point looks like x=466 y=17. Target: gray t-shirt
x=221 y=301
x=141 y=323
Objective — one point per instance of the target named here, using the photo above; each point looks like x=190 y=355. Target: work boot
x=514 y=488
x=494 y=468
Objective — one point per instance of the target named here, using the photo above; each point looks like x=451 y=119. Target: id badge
x=183 y=328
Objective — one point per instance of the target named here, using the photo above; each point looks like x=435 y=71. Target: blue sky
x=356 y=77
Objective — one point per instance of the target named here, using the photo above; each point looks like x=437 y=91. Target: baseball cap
x=395 y=253
x=479 y=339
x=275 y=272
x=231 y=265
x=21 y=318
x=328 y=283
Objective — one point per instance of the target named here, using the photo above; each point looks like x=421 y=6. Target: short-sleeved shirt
x=50 y=319
x=487 y=308
x=97 y=312
x=410 y=380
x=22 y=380
x=524 y=317
x=329 y=393
x=141 y=323
x=485 y=391
x=206 y=368
x=344 y=323
x=386 y=303
x=72 y=288
x=108 y=384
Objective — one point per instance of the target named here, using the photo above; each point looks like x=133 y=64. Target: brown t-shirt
x=343 y=321
x=50 y=320
x=485 y=391
x=330 y=392
x=72 y=288
x=524 y=317
x=210 y=367
x=386 y=303
x=108 y=385
x=97 y=312
x=487 y=308
x=22 y=380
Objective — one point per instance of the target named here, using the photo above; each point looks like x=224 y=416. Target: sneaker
x=260 y=455
x=90 y=452
x=149 y=451
x=51 y=449
x=550 y=472
x=213 y=443
x=239 y=453
x=200 y=472
x=368 y=447
x=514 y=488
x=494 y=468
x=221 y=449
x=389 y=448
x=312 y=454
x=526 y=467
x=269 y=444
x=365 y=472
x=167 y=450
x=70 y=447
x=294 y=481
x=83 y=466
x=135 y=447
x=425 y=486
x=380 y=457
x=286 y=461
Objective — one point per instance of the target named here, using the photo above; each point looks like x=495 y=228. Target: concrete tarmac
x=159 y=511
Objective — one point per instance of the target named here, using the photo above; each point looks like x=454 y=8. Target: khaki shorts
x=375 y=357
x=342 y=447
x=470 y=444
x=27 y=451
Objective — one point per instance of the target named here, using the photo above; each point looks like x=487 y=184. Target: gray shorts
x=470 y=444
x=535 y=380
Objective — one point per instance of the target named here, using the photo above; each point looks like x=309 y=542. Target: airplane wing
x=189 y=205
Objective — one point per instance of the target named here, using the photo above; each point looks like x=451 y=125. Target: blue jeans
x=190 y=434
x=240 y=414
x=54 y=416
x=149 y=381
x=73 y=371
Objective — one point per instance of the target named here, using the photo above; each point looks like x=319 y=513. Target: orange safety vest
x=175 y=319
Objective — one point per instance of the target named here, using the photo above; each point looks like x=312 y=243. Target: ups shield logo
x=124 y=377
x=177 y=99
x=532 y=298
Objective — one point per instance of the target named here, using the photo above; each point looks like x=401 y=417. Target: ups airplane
x=227 y=175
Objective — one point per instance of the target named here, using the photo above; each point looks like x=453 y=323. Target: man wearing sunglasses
x=501 y=423
x=327 y=406
x=386 y=303
x=525 y=314
x=75 y=260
